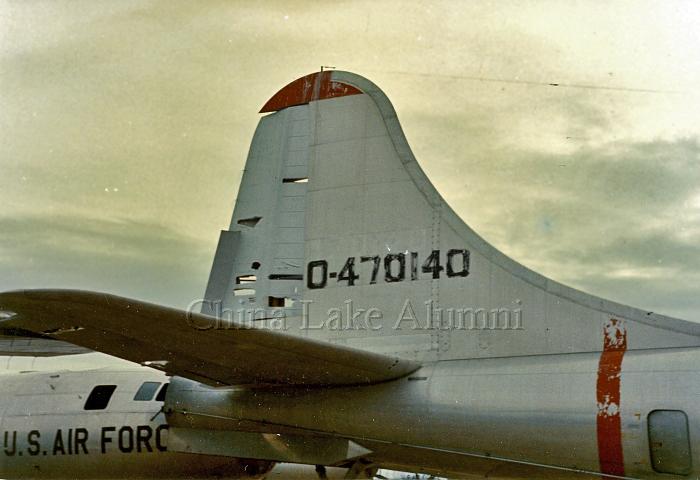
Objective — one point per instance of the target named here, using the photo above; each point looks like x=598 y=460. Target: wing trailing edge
x=180 y=343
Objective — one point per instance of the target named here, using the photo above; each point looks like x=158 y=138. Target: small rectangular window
x=242 y=279
x=146 y=392
x=249 y=222
x=275 y=302
x=161 y=395
x=280 y=302
x=243 y=292
x=296 y=180
x=99 y=397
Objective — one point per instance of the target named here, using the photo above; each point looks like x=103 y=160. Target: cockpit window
x=99 y=397
x=146 y=391
x=161 y=395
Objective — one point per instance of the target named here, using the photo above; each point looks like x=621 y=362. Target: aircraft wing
x=176 y=342
x=28 y=346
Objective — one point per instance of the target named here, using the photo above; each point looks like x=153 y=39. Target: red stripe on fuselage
x=609 y=424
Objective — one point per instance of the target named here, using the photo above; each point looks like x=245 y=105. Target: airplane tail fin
x=337 y=228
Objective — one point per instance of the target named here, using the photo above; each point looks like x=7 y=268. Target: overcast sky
x=124 y=128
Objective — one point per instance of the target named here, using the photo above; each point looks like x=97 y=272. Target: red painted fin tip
x=315 y=86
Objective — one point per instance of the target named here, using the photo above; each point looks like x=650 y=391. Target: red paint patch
x=316 y=86
x=609 y=424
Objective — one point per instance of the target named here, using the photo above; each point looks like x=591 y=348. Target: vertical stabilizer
x=335 y=215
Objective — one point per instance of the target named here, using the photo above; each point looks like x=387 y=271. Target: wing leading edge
x=175 y=341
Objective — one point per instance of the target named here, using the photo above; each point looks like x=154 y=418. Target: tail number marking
x=397 y=267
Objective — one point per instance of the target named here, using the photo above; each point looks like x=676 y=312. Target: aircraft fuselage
x=46 y=432
x=464 y=415
x=457 y=417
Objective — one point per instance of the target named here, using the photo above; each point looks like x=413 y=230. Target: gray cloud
x=124 y=257
x=606 y=219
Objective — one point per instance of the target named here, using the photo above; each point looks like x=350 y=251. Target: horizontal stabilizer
x=176 y=342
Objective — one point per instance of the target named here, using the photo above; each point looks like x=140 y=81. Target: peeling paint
x=609 y=427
